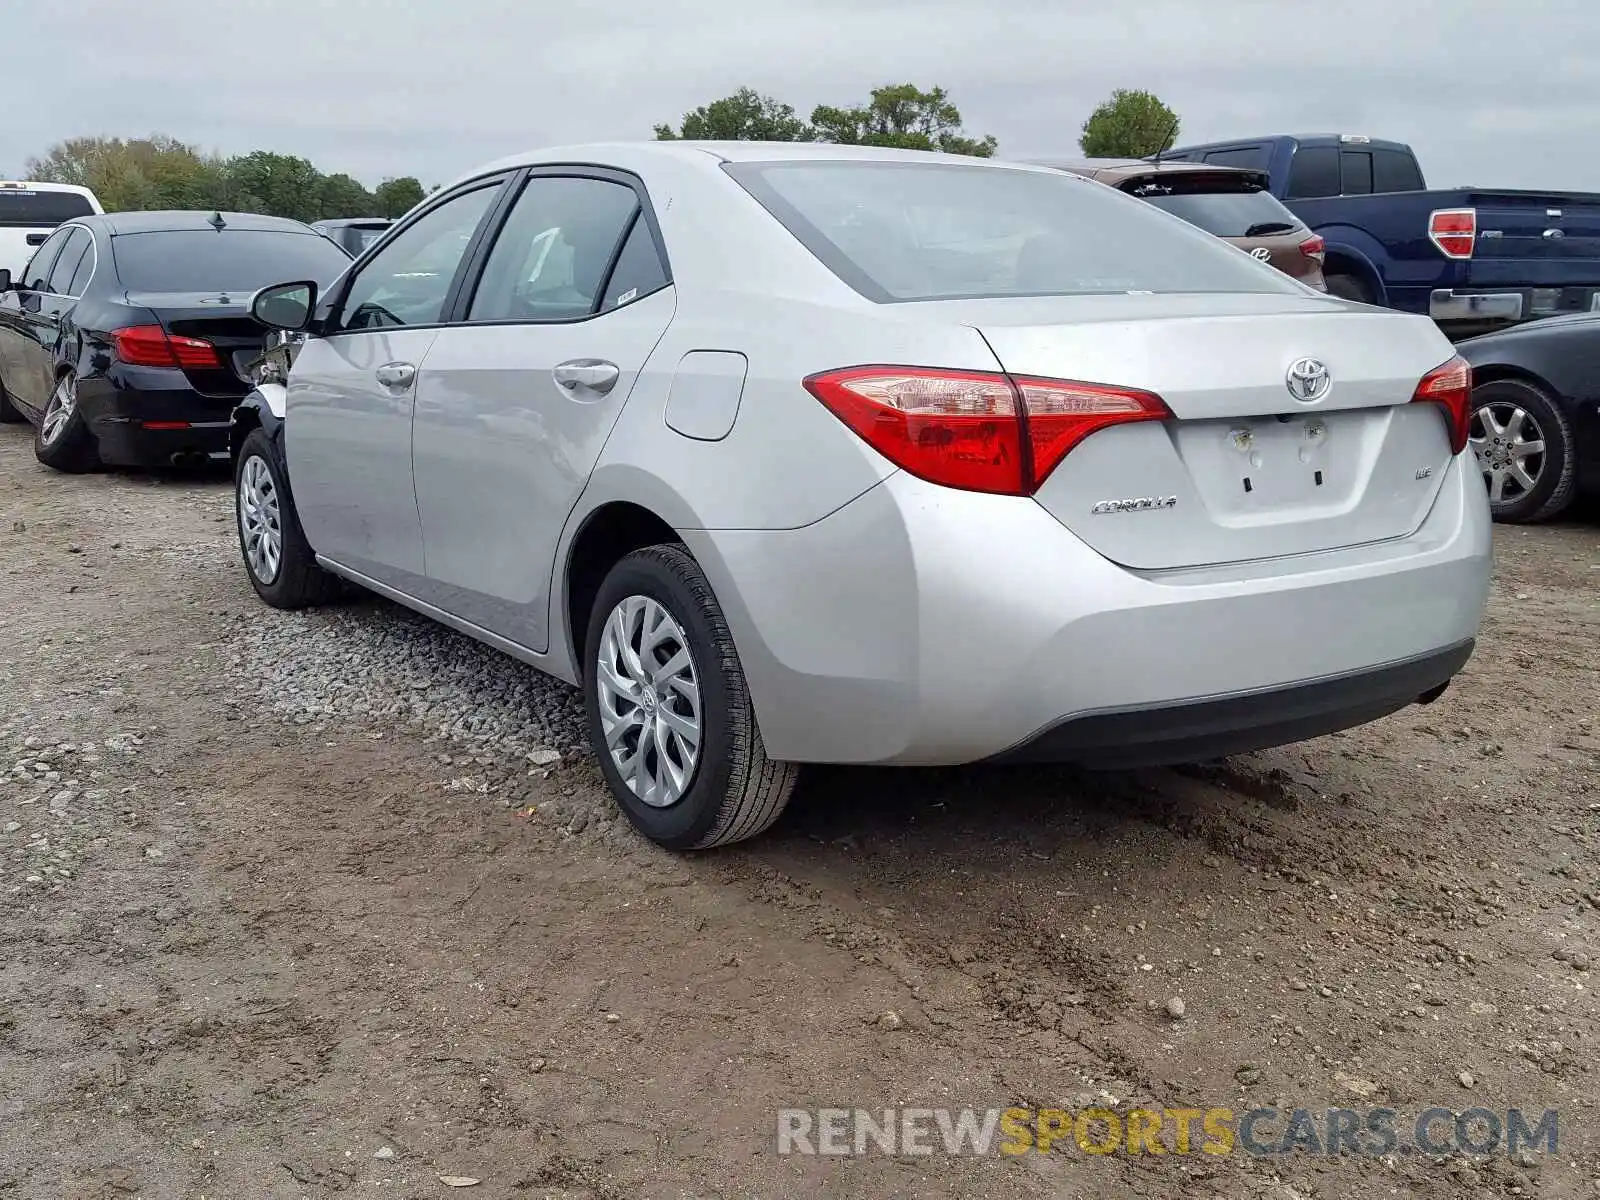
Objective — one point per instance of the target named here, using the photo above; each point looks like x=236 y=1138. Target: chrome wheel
x=260 y=526
x=58 y=413
x=649 y=700
x=1509 y=446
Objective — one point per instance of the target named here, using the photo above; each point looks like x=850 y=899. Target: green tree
x=343 y=196
x=1131 y=124
x=138 y=173
x=745 y=116
x=396 y=197
x=901 y=115
x=280 y=185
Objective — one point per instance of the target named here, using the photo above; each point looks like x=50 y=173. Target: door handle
x=396 y=374
x=593 y=373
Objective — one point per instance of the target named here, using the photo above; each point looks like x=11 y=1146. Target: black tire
x=10 y=414
x=297 y=582
x=1555 y=483
x=69 y=447
x=734 y=791
x=1348 y=287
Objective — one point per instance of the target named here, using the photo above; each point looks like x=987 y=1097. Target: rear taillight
x=1314 y=248
x=976 y=430
x=152 y=346
x=1450 y=387
x=1454 y=231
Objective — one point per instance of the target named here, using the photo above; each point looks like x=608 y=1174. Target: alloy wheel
x=1509 y=446
x=260 y=520
x=649 y=698
x=58 y=413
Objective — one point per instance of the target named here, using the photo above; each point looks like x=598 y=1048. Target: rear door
x=515 y=402
x=348 y=425
x=47 y=307
x=1249 y=470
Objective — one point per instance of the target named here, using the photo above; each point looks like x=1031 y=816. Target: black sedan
x=1536 y=414
x=127 y=339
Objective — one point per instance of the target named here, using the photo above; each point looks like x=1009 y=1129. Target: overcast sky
x=1487 y=91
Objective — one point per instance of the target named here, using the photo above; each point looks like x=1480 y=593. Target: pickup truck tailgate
x=1538 y=239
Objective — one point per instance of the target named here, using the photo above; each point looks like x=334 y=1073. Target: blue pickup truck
x=1471 y=258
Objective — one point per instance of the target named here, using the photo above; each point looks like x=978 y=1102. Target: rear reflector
x=1454 y=231
x=163 y=425
x=1314 y=248
x=152 y=346
x=980 y=431
x=1450 y=387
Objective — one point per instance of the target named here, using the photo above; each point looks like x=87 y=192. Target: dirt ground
x=242 y=958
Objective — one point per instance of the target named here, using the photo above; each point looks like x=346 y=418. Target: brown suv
x=1230 y=202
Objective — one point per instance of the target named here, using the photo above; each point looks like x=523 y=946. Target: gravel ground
x=301 y=905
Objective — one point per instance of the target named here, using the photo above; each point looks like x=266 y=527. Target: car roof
x=346 y=222
x=160 y=221
x=1122 y=168
x=708 y=154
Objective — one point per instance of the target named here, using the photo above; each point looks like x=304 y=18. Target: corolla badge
x=1308 y=380
x=1137 y=504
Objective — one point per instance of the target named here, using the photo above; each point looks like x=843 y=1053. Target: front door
x=515 y=403
x=348 y=425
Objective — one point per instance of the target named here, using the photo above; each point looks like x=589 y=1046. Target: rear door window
x=549 y=261
x=85 y=272
x=66 y=266
x=639 y=270
x=27 y=208
x=1395 y=171
x=1313 y=172
x=1355 y=172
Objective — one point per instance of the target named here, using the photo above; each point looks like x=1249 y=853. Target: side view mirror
x=285 y=305
x=5 y=280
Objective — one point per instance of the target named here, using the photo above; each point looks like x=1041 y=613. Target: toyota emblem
x=1308 y=380
x=1261 y=253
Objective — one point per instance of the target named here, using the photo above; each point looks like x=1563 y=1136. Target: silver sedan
x=789 y=454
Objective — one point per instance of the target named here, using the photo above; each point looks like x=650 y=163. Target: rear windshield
x=25 y=208
x=940 y=231
x=1226 y=209
x=233 y=260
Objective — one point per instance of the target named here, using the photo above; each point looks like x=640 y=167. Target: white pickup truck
x=28 y=213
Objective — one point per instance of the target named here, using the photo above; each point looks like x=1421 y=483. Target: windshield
x=1226 y=211
x=26 y=208
x=939 y=231
x=233 y=260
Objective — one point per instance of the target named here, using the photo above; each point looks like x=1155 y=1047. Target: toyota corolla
x=790 y=454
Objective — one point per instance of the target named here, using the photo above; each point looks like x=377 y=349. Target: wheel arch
x=603 y=537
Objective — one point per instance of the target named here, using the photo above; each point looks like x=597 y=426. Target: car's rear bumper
x=922 y=625
x=154 y=426
x=1232 y=724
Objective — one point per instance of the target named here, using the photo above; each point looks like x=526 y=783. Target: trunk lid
x=1246 y=471
x=221 y=318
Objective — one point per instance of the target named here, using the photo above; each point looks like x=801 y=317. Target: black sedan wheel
x=10 y=414
x=63 y=440
x=1524 y=446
